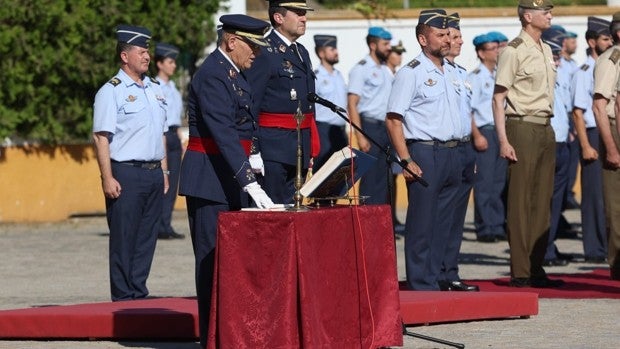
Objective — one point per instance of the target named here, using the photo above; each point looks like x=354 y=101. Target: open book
x=333 y=179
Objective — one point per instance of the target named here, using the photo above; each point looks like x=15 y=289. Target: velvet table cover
x=325 y=278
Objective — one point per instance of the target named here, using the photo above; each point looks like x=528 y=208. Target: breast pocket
x=244 y=104
x=533 y=76
x=133 y=108
x=433 y=93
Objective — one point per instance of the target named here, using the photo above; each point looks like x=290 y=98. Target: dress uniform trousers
x=560 y=186
x=430 y=212
x=611 y=188
x=173 y=157
x=467 y=160
x=489 y=184
x=530 y=186
x=593 y=226
x=375 y=183
x=133 y=220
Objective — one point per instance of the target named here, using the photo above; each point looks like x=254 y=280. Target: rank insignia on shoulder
x=515 y=42
x=584 y=67
x=414 y=63
x=430 y=82
x=153 y=80
x=362 y=62
x=115 y=81
x=615 y=55
x=131 y=98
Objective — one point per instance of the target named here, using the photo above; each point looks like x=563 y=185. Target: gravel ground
x=66 y=263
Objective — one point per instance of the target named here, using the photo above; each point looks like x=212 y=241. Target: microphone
x=314 y=98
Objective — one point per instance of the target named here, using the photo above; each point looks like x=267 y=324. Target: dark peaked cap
x=133 y=35
x=245 y=26
x=435 y=18
x=322 y=40
x=166 y=50
x=301 y=5
x=598 y=25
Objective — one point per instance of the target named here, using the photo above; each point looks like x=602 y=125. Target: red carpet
x=595 y=284
x=176 y=318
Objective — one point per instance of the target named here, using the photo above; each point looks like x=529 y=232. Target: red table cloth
x=325 y=278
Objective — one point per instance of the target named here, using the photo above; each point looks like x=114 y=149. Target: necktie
x=296 y=50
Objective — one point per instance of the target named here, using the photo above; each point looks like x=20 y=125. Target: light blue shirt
x=372 y=82
x=135 y=117
x=332 y=87
x=583 y=90
x=564 y=77
x=482 y=84
x=462 y=87
x=174 y=101
x=559 y=121
x=427 y=100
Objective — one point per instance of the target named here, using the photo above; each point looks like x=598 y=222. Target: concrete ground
x=66 y=263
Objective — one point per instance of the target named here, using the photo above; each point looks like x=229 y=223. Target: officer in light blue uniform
x=165 y=59
x=593 y=225
x=128 y=126
x=490 y=181
x=370 y=82
x=425 y=127
x=281 y=78
x=449 y=279
x=216 y=174
x=331 y=86
x=554 y=37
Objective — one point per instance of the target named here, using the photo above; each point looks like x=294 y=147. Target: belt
x=487 y=127
x=208 y=145
x=149 y=165
x=538 y=120
x=373 y=121
x=287 y=121
x=440 y=144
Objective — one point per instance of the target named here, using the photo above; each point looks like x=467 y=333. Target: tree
x=56 y=54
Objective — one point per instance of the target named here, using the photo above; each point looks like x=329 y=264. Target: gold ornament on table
x=297 y=197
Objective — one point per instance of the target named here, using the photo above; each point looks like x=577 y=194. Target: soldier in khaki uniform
x=606 y=72
x=522 y=108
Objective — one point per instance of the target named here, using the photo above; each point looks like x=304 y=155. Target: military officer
x=424 y=125
x=165 y=60
x=370 y=81
x=216 y=174
x=522 y=108
x=606 y=73
x=449 y=279
x=490 y=177
x=593 y=226
x=281 y=79
x=128 y=130
x=331 y=86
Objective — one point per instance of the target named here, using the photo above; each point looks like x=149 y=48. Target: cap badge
x=537 y=3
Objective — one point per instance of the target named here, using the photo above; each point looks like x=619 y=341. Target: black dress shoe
x=170 y=236
x=545 y=282
x=461 y=286
x=486 y=238
x=520 y=282
x=596 y=260
x=556 y=262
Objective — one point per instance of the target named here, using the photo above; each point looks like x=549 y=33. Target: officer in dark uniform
x=216 y=173
x=128 y=130
x=281 y=79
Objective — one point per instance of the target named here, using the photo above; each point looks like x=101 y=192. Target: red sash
x=288 y=122
x=208 y=145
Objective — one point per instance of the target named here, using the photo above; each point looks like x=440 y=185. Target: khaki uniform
x=606 y=83
x=528 y=72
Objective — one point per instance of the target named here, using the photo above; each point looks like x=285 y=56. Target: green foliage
x=56 y=54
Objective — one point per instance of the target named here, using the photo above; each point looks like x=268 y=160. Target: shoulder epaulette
x=584 y=67
x=414 y=63
x=362 y=62
x=153 y=80
x=615 y=55
x=115 y=81
x=476 y=71
x=515 y=42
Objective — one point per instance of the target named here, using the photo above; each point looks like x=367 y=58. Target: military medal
x=282 y=48
x=293 y=95
x=131 y=98
x=288 y=67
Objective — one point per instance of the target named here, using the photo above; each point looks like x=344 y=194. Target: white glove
x=258 y=195
x=256 y=162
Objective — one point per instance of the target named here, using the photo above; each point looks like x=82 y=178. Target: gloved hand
x=258 y=195
x=256 y=162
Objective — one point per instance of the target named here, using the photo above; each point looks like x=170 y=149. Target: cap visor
x=259 y=42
